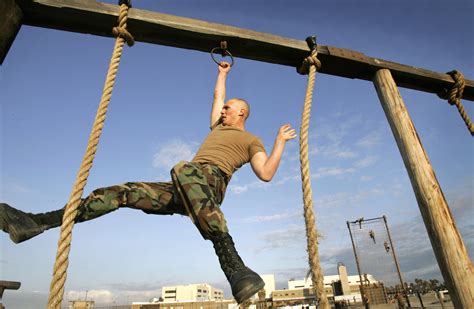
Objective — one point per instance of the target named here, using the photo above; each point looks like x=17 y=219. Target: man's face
x=231 y=112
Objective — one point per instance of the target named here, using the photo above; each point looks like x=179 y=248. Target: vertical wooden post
x=448 y=246
x=11 y=17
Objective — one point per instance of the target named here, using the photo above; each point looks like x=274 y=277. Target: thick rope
x=64 y=243
x=454 y=97
x=310 y=65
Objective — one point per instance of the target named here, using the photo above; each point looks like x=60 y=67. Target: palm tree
x=434 y=284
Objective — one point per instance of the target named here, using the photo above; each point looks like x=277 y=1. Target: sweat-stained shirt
x=228 y=148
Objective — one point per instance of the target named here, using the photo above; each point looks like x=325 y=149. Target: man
x=366 y=301
x=196 y=190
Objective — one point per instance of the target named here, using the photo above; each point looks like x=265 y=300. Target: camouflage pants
x=196 y=191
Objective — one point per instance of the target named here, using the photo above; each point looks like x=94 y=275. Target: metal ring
x=225 y=52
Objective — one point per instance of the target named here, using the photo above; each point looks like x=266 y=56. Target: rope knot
x=455 y=93
x=454 y=96
x=311 y=60
x=124 y=34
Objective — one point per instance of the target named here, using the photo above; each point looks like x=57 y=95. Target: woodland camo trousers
x=196 y=190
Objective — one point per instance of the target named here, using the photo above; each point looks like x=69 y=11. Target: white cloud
x=366 y=162
x=274 y=217
x=345 y=154
x=312 y=151
x=238 y=189
x=369 y=140
x=333 y=150
x=285 y=179
x=172 y=152
x=320 y=173
x=292 y=236
x=117 y=297
x=343 y=198
x=461 y=199
x=332 y=171
x=12 y=188
x=99 y=296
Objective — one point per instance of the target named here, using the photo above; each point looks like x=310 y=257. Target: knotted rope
x=70 y=212
x=309 y=66
x=454 y=96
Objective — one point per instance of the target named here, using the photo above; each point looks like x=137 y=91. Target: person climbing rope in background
x=197 y=188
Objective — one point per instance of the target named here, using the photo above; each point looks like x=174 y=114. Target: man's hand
x=224 y=67
x=286 y=133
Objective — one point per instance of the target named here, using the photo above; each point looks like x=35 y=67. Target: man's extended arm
x=219 y=92
x=264 y=166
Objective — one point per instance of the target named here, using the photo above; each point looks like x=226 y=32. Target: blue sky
x=51 y=83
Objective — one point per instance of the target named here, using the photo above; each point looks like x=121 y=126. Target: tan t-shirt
x=229 y=148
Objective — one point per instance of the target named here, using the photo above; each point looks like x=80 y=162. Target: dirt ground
x=429 y=301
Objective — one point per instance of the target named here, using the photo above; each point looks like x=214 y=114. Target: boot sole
x=10 y=219
x=248 y=292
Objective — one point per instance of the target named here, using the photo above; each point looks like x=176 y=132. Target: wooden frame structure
x=89 y=16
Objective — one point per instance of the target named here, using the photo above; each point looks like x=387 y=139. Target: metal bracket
x=311 y=41
x=126 y=2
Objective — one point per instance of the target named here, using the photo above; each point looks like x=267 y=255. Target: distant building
x=290 y=297
x=337 y=287
x=205 y=292
x=340 y=287
x=191 y=292
x=349 y=281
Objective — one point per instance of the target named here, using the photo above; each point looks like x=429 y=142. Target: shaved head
x=243 y=105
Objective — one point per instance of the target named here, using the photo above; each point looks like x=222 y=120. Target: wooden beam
x=10 y=23
x=448 y=246
x=88 y=16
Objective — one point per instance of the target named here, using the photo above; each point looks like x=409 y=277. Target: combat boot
x=243 y=281
x=22 y=226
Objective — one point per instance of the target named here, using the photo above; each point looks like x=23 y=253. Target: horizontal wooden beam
x=88 y=16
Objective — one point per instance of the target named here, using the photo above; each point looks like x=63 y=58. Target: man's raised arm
x=266 y=167
x=219 y=92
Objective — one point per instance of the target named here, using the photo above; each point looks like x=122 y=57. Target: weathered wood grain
x=450 y=251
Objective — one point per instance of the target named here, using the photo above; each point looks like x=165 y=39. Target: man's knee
x=211 y=223
x=110 y=194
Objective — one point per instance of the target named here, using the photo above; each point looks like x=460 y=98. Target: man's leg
x=202 y=190
x=152 y=198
